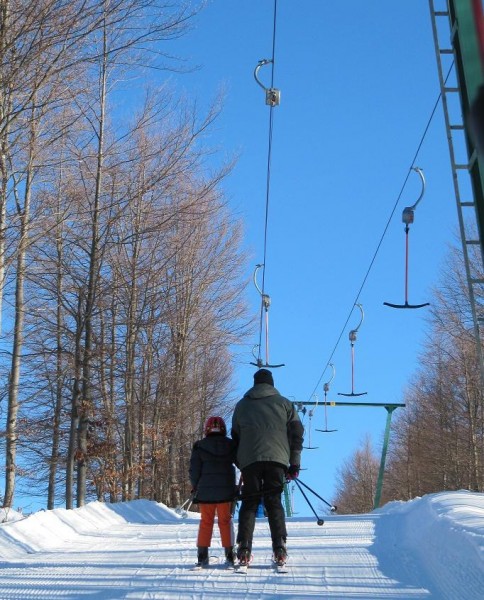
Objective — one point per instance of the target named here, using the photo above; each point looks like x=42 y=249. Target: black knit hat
x=263 y=376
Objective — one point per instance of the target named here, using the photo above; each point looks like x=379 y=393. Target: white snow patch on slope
x=430 y=547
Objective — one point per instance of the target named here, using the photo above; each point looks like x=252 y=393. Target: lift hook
x=409 y=211
x=273 y=95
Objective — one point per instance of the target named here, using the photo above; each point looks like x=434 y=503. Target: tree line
x=437 y=440
x=120 y=262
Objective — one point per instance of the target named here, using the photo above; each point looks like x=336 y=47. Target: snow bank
x=8 y=514
x=430 y=547
x=445 y=528
x=47 y=530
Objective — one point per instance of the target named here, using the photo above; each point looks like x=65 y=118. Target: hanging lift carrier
x=352 y=338
x=310 y=427
x=408 y=218
x=266 y=302
x=326 y=390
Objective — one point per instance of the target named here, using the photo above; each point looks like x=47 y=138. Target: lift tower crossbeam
x=390 y=407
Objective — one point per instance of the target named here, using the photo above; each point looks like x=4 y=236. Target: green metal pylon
x=379 y=483
x=287 y=500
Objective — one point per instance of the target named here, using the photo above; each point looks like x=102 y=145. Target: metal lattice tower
x=460 y=75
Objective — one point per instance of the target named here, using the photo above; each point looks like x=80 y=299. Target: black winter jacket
x=212 y=472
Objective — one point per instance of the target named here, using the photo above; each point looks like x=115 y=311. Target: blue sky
x=358 y=85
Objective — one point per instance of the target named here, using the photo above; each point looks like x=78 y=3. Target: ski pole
x=185 y=507
x=188 y=502
x=331 y=506
x=318 y=519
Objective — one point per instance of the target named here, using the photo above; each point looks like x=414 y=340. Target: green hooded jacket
x=266 y=427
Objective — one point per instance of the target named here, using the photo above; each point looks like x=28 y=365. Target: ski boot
x=280 y=556
x=202 y=557
x=229 y=556
x=244 y=557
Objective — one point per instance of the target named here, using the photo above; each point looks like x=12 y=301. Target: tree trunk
x=74 y=422
x=13 y=388
x=5 y=108
x=54 y=458
x=86 y=401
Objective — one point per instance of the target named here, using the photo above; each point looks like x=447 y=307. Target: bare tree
x=438 y=443
x=357 y=478
x=168 y=293
x=41 y=44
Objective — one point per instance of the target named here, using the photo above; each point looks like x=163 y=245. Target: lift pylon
x=389 y=407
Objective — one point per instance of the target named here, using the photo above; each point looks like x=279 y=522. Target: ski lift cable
x=385 y=229
x=268 y=181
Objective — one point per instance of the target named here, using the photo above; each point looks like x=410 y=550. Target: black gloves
x=292 y=472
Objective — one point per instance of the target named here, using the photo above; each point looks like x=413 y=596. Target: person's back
x=212 y=475
x=212 y=470
x=269 y=436
x=260 y=425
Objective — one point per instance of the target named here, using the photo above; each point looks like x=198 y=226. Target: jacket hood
x=261 y=390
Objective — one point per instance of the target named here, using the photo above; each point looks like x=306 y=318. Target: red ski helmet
x=215 y=425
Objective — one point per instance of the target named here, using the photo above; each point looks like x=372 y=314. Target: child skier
x=212 y=475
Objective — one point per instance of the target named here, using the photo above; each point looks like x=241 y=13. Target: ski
x=241 y=569
x=280 y=568
x=279 y=564
x=198 y=566
x=245 y=558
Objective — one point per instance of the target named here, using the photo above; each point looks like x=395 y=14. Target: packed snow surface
x=430 y=547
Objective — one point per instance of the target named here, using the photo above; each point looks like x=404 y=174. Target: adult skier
x=212 y=475
x=269 y=437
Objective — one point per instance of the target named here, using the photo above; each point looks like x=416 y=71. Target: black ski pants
x=262 y=480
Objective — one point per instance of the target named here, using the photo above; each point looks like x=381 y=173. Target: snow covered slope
x=431 y=547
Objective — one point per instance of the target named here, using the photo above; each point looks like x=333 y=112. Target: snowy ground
x=431 y=547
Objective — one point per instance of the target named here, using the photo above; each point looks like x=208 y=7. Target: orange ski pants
x=225 y=525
